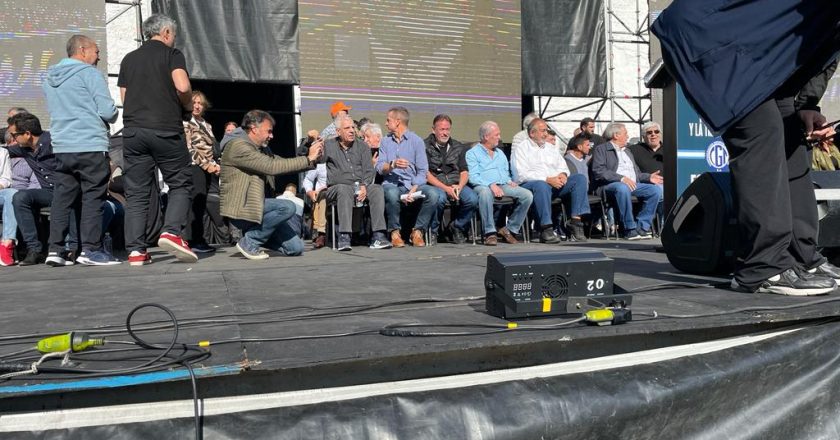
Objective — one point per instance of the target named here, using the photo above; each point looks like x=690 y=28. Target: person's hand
x=312 y=195
x=812 y=120
x=562 y=178
x=409 y=198
x=512 y=184
x=402 y=163
x=497 y=190
x=630 y=183
x=313 y=134
x=362 y=194
x=452 y=192
x=214 y=169
x=553 y=182
x=315 y=150
x=656 y=177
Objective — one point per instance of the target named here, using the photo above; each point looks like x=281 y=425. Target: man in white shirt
x=540 y=168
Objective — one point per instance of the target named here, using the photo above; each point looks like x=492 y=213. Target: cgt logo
x=717 y=156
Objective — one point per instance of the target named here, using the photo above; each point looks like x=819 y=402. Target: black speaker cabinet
x=701 y=231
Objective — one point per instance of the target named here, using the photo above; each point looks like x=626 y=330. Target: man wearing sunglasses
x=648 y=152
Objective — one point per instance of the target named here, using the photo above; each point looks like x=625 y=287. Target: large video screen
x=461 y=58
x=33 y=36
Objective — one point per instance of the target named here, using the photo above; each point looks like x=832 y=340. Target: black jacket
x=446 y=166
x=604 y=165
x=648 y=161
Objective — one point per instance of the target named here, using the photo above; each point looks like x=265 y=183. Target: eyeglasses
x=652 y=132
x=15 y=135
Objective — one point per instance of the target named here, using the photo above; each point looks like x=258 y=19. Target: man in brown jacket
x=246 y=171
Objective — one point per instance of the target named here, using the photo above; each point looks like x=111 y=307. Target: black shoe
x=32 y=258
x=826 y=269
x=576 y=229
x=203 y=248
x=344 y=240
x=548 y=236
x=791 y=283
x=457 y=235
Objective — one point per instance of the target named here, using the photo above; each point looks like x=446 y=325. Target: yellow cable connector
x=203 y=343
x=600 y=315
x=512 y=325
x=73 y=341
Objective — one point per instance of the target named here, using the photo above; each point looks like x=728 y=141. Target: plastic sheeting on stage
x=781 y=385
x=577 y=67
x=230 y=40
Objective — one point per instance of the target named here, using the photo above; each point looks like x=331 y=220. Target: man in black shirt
x=449 y=176
x=648 y=152
x=587 y=128
x=155 y=90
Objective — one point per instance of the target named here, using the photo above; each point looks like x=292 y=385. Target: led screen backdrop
x=444 y=56
x=33 y=36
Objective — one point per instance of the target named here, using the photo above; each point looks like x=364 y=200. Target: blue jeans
x=574 y=189
x=9 y=222
x=619 y=195
x=485 y=207
x=467 y=202
x=393 y=205
x=275 y=232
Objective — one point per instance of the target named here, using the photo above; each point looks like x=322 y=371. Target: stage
x=323 y=312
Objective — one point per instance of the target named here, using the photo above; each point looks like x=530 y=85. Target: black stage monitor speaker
x=700 y=235
x=529 y=284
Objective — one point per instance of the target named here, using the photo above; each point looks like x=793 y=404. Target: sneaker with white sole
x=344 y=241
x=178 y=247
x=791 y=283
x=139 y=258
x=97 y=258
x=250 y=254
x=826 y=269
x=380 y=241
x=59 y=259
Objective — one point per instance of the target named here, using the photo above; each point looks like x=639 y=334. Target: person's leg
x=319 y=213
x=283 y=238
x=434 y=224
x=575 y=190
x=9 y=220
x=428 y=207
x=65 y=192
x=94 y=172
x=27 y=204
x=344 y=198
x=467 y=204
x=524 y=198
x=619 y=196
x=649 y=195
x=194 y=231
x=172 y=157
x=761 y=190
x=376 y=205
x=276 y=212
x=542 y=193
x=393 y=205
x=485 y=209
x=140 y=186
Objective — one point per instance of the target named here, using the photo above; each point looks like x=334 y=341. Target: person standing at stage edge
x=155 y=90
x=80 y=109
x=755 y=71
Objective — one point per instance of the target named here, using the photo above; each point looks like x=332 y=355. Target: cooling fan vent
x=554 y=286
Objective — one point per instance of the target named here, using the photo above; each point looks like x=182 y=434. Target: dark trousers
x=201 y=185
x=79 y=176
x=28 y=204
x=143 y=150
x=773 y=191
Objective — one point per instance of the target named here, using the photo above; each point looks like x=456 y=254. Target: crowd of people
x=405 y=183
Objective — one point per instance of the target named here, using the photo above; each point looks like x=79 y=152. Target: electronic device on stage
x=529 y=284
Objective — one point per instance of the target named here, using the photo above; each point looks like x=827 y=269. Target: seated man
x=314 y=184
x=577 y=156
x=648 y=152
x=490 y=177
x=449 y=176
x=35 y=147
x=403 y=164
x=540 y=168
x=246 y=172
x=615 y=173
x=349 y=167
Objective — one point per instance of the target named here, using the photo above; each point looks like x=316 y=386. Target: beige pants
x=319 y=213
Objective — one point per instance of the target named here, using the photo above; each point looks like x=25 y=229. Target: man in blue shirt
x=403 y=164
x=490 y=178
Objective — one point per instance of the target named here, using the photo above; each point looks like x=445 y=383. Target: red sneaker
x=139 y=258
x=7 y=254
x=178 y=247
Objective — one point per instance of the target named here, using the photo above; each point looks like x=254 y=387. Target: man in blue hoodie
x=80 y=107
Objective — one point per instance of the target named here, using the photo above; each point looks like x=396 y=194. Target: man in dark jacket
x=756 y=71
x=615 y=173
x=449 y=176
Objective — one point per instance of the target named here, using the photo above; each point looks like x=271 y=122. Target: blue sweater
x=80 y=107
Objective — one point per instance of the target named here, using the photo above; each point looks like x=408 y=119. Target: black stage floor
x=325 y=292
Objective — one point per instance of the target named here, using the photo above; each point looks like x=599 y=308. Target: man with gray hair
x=80 y=108
x=522 y=135
x=648 y=152
x=155 y=91
x=490 y=177
x=616 y=175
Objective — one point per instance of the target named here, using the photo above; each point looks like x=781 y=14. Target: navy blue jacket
x=732 y=55
x=604 y=165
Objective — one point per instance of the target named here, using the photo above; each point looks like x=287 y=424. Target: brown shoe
x=396 y=239
x=490 y=240
x=507 y=236
x=417 y=238
x=319 y=241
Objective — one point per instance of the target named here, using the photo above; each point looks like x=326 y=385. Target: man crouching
x=248 y=167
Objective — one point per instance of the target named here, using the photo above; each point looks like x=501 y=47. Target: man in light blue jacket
x=80 y=108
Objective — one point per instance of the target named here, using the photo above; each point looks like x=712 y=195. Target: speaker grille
x=554 y=286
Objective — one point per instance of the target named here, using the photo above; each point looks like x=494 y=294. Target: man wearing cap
x=338 y=108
